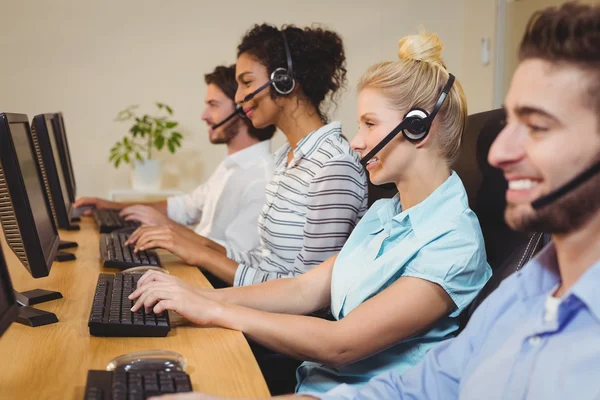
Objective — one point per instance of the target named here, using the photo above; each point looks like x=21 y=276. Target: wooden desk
x=51 y=362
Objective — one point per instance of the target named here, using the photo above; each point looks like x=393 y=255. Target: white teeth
x=522 y=184
x=372 y=160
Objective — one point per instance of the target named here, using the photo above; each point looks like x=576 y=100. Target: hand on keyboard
x=160 y=293
x=189 y=248
x=95 y=202
x=145 y=215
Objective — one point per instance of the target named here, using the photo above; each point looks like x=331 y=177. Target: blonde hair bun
x=425 y=47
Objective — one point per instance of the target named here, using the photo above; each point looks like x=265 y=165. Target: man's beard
x=229 y=131
x=564 y=215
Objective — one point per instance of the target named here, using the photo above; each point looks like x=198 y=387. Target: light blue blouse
x=438 y=240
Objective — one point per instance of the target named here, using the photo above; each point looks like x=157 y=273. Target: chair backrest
x=507 y=250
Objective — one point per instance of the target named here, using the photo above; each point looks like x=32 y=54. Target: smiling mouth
x=522 y=184
x=373 y=160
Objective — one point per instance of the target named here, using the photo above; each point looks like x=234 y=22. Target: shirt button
x=535 y=341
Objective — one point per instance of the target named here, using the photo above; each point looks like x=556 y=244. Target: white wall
x=90 y=59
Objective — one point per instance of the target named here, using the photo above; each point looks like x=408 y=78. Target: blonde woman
x=409 y=268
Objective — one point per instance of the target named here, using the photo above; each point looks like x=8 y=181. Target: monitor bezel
x=60 y=134
x=39 y=265
x=61 y=210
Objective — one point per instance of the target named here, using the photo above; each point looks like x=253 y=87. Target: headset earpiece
x=282 y=82
x=418 y=127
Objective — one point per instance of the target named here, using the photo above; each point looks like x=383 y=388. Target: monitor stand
x=65 y=244
x=72 y=228
x=75 y=219
x=64 y=256
x=31 y=316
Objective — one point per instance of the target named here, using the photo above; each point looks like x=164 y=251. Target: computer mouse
x=149 y=360
x=143 y=268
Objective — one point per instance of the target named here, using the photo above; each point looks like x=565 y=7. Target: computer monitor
x=8 y=303
x=25 y=213
x=60 y=135
x=53 y=176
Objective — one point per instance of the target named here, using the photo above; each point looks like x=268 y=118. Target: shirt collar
x=543 y=275
x=586 y=289
x=447 y=200
x=247 y=157
x=309 y=144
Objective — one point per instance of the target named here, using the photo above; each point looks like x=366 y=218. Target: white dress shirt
x=227 y=205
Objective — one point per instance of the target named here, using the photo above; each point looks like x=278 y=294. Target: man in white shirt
x=226 y=206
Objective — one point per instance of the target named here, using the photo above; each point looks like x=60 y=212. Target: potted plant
x=147 y=135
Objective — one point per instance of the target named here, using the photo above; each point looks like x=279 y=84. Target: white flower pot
x=146 y=175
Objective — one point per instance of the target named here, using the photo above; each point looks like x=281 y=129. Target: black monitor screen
x=33 y=185
x=59 y=168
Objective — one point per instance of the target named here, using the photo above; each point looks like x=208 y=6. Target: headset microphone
x=238 y=112
x=567 y=187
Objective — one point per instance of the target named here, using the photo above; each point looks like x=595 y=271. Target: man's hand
x=95 y=202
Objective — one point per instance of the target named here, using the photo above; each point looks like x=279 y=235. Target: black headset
x=282 y=80
x=239 y=112
x=415 y=125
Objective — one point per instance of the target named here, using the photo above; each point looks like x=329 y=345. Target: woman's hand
x=159 y=292
x=187 y=247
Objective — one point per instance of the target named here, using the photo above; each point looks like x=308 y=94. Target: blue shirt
x=438 y=240
x=510 y=350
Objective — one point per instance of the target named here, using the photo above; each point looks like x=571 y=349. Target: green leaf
x=176 y=135
x=171 y=146
x=169 y=109
x=139 y=156
x=159 y=142
x=117 y=163
x=172 y=124
x=159 y=105
x=126 y=158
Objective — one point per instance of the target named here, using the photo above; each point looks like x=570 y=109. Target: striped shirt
x=312 y=205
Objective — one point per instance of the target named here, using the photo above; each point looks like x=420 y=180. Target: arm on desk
x=407 y=307
x=99 y=203
x=301 y=295
x=201 y=396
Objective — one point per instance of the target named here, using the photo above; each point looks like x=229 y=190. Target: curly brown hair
x=223 y=77
x=319 y=60
x=569 y=34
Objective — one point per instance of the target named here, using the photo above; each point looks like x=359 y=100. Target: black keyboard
x=111 y=310
x=109 y=220
x=115 y=254
x=134 y=385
